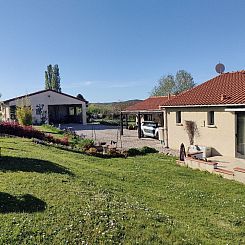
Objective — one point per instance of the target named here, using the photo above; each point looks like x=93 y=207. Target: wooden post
x=139 y=126
x=121 y=123
x=126 y=118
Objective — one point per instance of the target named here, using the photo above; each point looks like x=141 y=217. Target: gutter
x=188 y=106
x=142 y=111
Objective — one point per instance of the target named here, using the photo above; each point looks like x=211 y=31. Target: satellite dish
x=220 y=68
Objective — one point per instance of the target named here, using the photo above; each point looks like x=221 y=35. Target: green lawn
x=57 y=133
x=52 y=196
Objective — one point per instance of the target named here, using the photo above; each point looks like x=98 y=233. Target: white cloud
x=105 y=84
x=78 y=84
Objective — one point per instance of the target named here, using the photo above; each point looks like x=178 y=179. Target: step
x=224 y=171
x=238 y=169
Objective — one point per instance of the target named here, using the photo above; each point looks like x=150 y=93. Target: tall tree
x=173 y=85
x=52 y=78
x=165 y=85
x=183 y=81
x=48 y=77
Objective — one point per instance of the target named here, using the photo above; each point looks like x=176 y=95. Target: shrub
x=131 y=127
x=134 y=152
x=92 y=151
x=24 y=115
x=63 y=141
x=85 y=143
x=110 y=122
x=146 y=150
x=192 y=131
x=13 y=128
x=24 y=111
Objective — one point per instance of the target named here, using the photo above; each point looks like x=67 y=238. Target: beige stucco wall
x=221 y=137
x=48 y=98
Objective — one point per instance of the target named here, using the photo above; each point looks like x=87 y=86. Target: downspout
x=165 y=129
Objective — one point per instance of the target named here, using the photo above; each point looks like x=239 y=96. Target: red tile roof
x=227 y=88
x=150 y=104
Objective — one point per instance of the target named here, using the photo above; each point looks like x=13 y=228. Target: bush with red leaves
x=15 y=129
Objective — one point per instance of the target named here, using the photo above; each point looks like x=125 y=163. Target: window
x=71 y=111
x=12 y=112
x=211 y=118
x=148 y=117
x=178 y=116
x=78 y=111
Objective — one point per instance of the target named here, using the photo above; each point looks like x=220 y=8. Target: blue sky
x=114 y=50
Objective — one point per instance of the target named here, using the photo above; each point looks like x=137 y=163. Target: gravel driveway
x=129 y=139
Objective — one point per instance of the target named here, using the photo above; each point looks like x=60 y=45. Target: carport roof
x=150 y=104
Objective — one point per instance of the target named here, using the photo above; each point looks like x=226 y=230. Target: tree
x=183 y=81
x=52 y=78
x=173 y=85
x=80 y=97
x=165 y=86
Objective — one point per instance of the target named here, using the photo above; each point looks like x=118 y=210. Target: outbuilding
x=48 y=106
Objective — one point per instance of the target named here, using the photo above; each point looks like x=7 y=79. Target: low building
x=217 y=110
x=146 y=110
x=149 y=109
x=48 y=106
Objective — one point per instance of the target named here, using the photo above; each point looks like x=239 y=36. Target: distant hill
x=127 y=102
x=119 y=105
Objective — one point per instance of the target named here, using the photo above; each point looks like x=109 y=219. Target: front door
x=53 y=114
x=240 y=139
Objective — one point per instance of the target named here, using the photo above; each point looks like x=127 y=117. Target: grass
x=50 y=196
x=48 y=129
x=75 y=141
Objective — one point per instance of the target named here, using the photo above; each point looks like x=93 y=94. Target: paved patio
x=129 y=139
x=228 y=163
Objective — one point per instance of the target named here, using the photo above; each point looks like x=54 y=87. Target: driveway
x=129 y=139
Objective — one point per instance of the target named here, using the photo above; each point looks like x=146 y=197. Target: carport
x=146 y=110
x=140 y=116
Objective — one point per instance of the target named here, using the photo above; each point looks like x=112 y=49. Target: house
x=217 y=108
x=48 y=106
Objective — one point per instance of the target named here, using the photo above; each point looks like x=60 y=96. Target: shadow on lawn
x=8 y=163
x=19 y=204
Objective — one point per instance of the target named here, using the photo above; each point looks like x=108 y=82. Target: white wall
x=50 y=98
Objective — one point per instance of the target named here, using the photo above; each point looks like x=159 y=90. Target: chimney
x=169 y=96
x=223 y=97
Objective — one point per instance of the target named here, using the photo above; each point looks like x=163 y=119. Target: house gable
x=47 y=93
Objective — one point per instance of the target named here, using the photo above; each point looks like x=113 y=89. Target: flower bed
x=15 y=129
